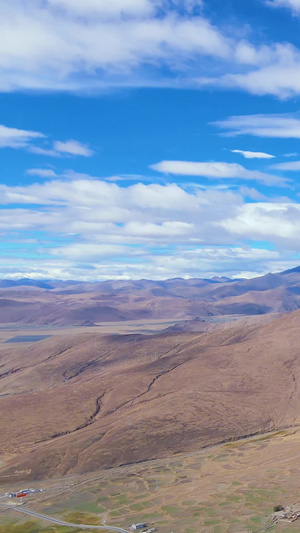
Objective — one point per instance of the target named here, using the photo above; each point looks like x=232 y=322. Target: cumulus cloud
x=277 y=221
x=143 y=230
x=253 y=155
x=285 y=126
x=104 y=211
x=216 y=170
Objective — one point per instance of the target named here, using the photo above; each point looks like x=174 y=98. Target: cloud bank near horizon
x=93 y=229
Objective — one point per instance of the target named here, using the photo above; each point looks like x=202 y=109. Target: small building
x=138 y=526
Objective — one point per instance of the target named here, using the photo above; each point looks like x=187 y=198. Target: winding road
x=60 y=522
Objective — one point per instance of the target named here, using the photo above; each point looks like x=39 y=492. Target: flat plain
x=230 y=488
x=8 y=333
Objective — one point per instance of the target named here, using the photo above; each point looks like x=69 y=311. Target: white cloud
x=253 y=155
x=73 y=148
x=90 y=44
x=274 y=71
x=104 y=8
x=63 y=149
x=271 y=125
x=16 y=138
x=155 y=231
x=209 y=260
x=250 y=192
x=93 y=251
x=294 y=5
x=101 y=212
x=273 y=221
x=290 y=166
x=43 y=151
x=164 y=230
x=41 y=172
x=105 y=212
x=216 y=170
x=246 y=53
x=201 y=262
x=74 y=45
x=279 y=79
x=24 y=139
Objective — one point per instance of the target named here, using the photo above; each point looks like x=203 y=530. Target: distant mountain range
x=56 y=302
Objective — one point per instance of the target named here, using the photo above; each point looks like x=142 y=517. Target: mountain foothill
x=80 y=400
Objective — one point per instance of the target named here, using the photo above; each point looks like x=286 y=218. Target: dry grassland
x=226 y=489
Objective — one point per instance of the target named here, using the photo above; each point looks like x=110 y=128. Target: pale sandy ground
x=118 y=328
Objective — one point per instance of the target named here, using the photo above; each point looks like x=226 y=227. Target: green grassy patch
x=77 y=517
x=171 y=509
x=141 y=506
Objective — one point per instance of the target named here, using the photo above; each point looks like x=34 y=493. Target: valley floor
x=230 y=488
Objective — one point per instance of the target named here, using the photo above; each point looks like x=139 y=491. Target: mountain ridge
x=73 y=303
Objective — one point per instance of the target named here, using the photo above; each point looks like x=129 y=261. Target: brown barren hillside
x=75 y=403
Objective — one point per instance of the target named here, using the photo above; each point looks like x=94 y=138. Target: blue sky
x=149 y=138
